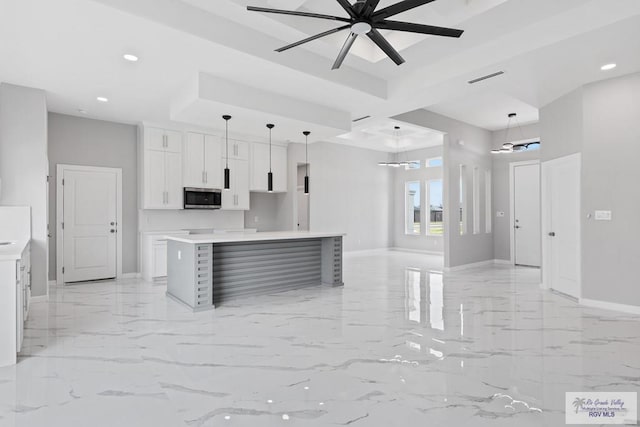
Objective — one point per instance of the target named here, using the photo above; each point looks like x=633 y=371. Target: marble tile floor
x=400 y=344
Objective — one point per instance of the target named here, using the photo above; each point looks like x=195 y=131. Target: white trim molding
x=512 y=208
x=130 y=276
x=416 y=251
x=606 y=305
x=40 y=298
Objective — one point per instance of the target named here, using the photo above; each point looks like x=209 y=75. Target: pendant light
x=270 y=126
x=306 y=134
x=396 y=163
x=510 y=147
x=227 y=173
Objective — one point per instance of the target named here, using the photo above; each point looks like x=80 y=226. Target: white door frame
x=546 y=220
x=512 y=207
x=60 y=169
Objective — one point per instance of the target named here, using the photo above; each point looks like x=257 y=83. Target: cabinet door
x=229 y=196
x=19 y=307
x=154 y=177
x=259 y=167
x=213 y=173
x=173 y=180
x=154 y=139
x=174 y=141
x=194 y=161
x=241 y=184
x=279 y=167
x=159 y=256
x=238 y=150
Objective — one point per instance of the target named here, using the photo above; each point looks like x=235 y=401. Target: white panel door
x=526 y=214
x=173 y=180
x=90 y=229
x=213 y=173
x=194 y=161
x=562 y=224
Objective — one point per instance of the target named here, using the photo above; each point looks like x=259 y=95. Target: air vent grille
x=488 y=76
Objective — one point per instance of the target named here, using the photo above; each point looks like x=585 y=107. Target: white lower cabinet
x=15 y=276
x=154 y=253
x=237 y=197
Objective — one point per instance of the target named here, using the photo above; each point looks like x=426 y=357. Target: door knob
x=552 y=234
x=516 y=226
x=112 y=231
x=112 y=223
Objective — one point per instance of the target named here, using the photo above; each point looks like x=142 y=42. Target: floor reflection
x=418 y=308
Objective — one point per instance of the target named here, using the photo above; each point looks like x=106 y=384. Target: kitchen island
x=208 y=269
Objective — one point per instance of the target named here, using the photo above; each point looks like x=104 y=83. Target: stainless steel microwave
x=202 y=198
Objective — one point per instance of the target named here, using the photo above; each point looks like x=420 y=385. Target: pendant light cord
x=306 y=155
x=270 y=149
x=226 y=135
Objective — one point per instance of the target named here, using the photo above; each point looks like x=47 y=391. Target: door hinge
x=63 y=225
x=62 y=270
x=62 y=181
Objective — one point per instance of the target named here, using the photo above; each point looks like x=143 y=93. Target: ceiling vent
x=360 y=118
x=488 y=76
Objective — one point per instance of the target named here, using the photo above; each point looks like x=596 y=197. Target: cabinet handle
x=167 y=197
x=203 y=178
x=206 y=177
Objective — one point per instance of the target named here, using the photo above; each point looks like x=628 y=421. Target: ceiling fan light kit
x=364 y=19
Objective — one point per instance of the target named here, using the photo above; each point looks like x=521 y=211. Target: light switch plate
x=500 y=214
x=602 y=215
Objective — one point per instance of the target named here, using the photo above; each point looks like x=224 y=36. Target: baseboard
x=40 y=298
x=605 y=305
x=130 y=276
x=502 y=261
x=416 y=251
x=470 y=265
x=52 y=283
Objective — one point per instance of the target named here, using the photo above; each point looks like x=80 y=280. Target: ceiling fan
x=365 y=19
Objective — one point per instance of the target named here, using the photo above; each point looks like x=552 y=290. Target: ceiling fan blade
x=397 y=8
x=345 y=49
x=346 y=5
x=386 y=47
x=308 y=39
x=369 y=7
x=296 y=13
x=418 y=28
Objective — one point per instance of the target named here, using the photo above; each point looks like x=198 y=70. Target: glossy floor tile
x=400 y=344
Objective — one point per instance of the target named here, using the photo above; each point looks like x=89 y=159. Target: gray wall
x=401 y=176
x=349 y=193
x=87 y=142
x=469 y=145
x=24 y=167
x=265 y=208
x=500 y=185
x=561 y=126
x=610 y=177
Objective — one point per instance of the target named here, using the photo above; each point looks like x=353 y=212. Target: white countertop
x=13 y=251
x=251 y=237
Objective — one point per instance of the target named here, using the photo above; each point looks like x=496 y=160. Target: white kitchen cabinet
x=237 y=197
x=259 y=167
x=162 y=169
x=237 y=149
x=163 y=139
x=202 y=161
x=154 y=253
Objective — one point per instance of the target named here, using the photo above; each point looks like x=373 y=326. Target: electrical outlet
x=602 y=215
x=179 y=255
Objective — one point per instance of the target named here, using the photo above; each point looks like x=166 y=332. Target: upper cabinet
x=259 y=167
x=161 y=169
x=237 y=196
x=202 y=155
x=237 y=149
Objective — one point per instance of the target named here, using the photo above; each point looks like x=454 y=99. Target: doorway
x=561 y=224
x=525 y=208
x=302 y=199
x=89 y=216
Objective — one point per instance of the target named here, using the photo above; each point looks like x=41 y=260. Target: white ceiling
x=73 y=50
x=381 y=135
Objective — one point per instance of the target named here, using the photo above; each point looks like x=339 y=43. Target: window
x=412 y=207
x=413 y=164
x=433 y=162
x=476 y=200
x=434 y=222
x=487 y=201
x=463 y=200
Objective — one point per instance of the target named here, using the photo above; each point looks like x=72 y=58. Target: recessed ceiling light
x=130 y=57
x=607 y=67
x=102 y=99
